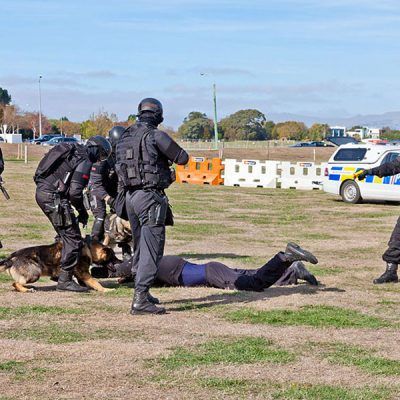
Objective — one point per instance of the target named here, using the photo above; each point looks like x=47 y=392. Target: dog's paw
x=31 y=290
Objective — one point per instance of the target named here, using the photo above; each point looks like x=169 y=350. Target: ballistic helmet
x=152 y=105
x=102 y=144
x=114 y=134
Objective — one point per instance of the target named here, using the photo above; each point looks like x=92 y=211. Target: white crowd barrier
x=272 y=174
x=250 y=173
x=301 y=175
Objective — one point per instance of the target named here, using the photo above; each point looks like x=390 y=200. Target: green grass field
x=337 y=341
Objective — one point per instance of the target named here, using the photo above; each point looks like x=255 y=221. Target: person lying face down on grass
x=282 y=269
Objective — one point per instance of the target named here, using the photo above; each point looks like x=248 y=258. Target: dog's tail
x=6 y=263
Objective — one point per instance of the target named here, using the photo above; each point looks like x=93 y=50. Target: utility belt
x=60 y=212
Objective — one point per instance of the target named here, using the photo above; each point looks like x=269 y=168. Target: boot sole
x=139 y=312
x=304 y=254
x=72 y=291
x=382 y=283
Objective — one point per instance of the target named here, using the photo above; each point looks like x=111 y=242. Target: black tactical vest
x=139 y=163
x=58 y=180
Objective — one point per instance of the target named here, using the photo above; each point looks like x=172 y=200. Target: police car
x=350 y=158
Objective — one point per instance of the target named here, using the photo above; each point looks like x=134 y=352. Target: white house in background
x=360 y=132
x=365 y=133
x=374 y=133
x=337 y=131
x=8 y=134
x=11 y=137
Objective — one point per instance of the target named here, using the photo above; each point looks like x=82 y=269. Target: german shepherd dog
x=117 y=231
x=29 y=264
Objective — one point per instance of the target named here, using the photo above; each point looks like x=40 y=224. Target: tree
x=65 y=127
x=244 y=125
x=5 y=98
x=30 y=121
x=131 y=118
x=98 y=124
x=196 y=126
x=318 y=131
x=292 y=130
x=390 y=134
x=269 y=126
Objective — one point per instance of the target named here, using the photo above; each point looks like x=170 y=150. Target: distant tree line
x=247 y=125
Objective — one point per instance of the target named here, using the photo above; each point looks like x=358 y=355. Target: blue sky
x=326 y=58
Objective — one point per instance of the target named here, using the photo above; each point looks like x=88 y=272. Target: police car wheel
x=350 y=192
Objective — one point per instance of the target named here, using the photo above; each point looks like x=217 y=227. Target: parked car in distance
x=43 y=138
x=60 y=139
x=312 y=144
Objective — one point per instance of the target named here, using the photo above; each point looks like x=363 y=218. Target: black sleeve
x=79 y=181
x=1 y=163
x=170 y=148
x=387 y=169
x=98 y=174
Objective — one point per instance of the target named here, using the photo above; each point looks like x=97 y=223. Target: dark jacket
x=144 y=155
x=170 y=270
x=103 y=179
x=74 y=173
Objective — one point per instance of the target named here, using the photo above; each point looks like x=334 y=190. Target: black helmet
x=114 y=134
x=152 y=105
x=102 y=144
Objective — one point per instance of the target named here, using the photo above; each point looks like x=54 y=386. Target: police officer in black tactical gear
x=1 y=171
x=103 y=185
x=144 y=156
x=392 y=254
x=60 y=180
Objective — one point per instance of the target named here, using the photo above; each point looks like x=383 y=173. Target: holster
x=158 y=212
x=86 y=199
x=59 y=212
x=169 y=219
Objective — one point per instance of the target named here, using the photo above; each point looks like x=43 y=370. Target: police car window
x=350 y=155
x=390 y=157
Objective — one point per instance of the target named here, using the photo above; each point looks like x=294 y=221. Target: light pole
x=215 y=113
x=40 y=107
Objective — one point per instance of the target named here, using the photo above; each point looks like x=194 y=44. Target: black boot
x=152 y=299
x=303 y=273
x=390 y=275
x=98 y=230
x=141 y=305
x=66 y=283
x=294 y=253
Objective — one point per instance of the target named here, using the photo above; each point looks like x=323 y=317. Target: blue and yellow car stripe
x=344 y=173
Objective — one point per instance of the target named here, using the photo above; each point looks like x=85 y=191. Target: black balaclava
x=93 y=153
x=150 y=118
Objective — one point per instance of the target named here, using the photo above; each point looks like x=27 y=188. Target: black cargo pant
x=392 y=254
x=146 y=211
x=69 y=234
x=221 y=276
x=99 y=209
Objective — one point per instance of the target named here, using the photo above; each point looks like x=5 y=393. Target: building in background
x=337 y=131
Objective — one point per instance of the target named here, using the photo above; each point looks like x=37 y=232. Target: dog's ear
x=108 y=253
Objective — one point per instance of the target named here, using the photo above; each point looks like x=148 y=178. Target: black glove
x=83 y=217
x=363 y=174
